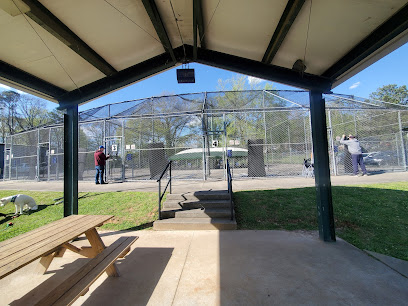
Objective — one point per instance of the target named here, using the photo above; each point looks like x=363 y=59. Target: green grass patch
x=132 y=210
x=372 y=217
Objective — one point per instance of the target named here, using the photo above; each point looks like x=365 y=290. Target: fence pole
x=49 y=155
x=38 y=155
x=264 y=118
x=225 y=153
x=355 y=124
x=404 y=156
x=159 y=199
x=332 y=144
x=122 y=151
x=204 y=132
x=310 y=137
x=11 y=154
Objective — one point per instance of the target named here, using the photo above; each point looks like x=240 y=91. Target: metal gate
x=115 y=167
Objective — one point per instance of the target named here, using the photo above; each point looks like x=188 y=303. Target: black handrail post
x=229 y=180
x=159 y=199
x=168 y=183
x=170 y=176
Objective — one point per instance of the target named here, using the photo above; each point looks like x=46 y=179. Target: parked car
x=380 y=158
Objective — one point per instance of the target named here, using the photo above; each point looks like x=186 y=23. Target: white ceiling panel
x=335 y=27
x=242 y=28
x=121 y=32
x=33 y=47
x=183 y=10
x=118 y=30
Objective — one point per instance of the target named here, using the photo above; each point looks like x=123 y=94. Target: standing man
x=100 y=161
x=356 y=155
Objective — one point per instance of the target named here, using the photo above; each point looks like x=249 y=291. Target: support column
x=321 y=167
x=71 y=161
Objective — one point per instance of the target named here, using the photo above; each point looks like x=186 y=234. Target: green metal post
x=321 y=167
x=71 y=161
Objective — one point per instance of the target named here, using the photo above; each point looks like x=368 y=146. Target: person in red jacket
x=100 y=161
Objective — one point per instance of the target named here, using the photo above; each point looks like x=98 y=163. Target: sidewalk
x=226 y=268
x=184 y=186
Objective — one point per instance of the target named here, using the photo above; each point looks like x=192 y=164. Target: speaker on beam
x=185 y=76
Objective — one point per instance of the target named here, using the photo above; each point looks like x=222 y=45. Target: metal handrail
x=229 y=179
x=161 y=195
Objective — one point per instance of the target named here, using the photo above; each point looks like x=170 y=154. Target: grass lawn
x=132 y=210
x=372 y=217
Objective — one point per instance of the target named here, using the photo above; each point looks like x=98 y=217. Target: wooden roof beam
x=153 y=12
x=285 y=23
x=41 y=15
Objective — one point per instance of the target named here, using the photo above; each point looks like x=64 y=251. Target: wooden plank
x=72 y=248
x=23 y=256
x=78 y=283
x=44 y=263
x=27 y=239
x=40 y=230
x=98 y=246
x=27 y=242
x=50 y=242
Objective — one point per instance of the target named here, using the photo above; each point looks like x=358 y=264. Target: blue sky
x=392 y=69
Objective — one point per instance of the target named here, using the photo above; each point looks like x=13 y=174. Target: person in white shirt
x=356 y=155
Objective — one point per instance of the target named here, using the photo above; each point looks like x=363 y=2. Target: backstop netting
x=263 y=133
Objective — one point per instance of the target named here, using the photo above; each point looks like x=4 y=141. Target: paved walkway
x=226 y=268
x=185 y=186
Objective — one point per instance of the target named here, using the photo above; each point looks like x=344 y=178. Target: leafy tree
x=32 y=112
x=9 y=100
x=391 y=93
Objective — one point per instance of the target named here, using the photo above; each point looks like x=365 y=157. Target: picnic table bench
x=52 y=240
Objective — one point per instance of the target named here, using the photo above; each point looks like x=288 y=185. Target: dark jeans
x=100 y=171
x=357 y=159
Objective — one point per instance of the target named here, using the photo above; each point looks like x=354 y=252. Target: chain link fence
x=264 y=133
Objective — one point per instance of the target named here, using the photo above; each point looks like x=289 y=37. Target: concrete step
x=196 y=213
x=199 y=195
x=186 y=224
x=174 y=204
x=204 y=213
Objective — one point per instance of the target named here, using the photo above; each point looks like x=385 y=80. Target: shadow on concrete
x=39 y=292
x=140 y=271
x=292 y=268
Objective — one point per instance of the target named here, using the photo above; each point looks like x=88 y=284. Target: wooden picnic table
x=50 y=241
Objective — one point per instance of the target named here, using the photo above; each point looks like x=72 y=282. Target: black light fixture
x=185 y=75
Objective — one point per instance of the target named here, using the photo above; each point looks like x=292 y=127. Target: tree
x=32 y=112
x=391 y=93
x=20 y=112
x=9 y=100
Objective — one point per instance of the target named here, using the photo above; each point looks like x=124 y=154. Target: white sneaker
x=365 y=174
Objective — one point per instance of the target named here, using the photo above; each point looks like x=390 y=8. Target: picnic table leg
x=44 y=263
x=98 y=246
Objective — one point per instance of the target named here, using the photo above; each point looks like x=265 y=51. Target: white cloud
x=5 y=87
x=254 y=80
x=355 y=85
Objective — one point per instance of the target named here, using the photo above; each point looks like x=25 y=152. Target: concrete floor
x=226 y=268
